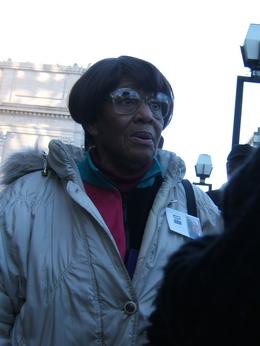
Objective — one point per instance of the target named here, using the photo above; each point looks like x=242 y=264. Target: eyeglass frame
x=145 y=99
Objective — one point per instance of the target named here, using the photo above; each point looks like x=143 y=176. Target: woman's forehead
x=131 y=83
x=127 y=82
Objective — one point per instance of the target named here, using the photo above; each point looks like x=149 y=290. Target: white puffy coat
x=62 y=280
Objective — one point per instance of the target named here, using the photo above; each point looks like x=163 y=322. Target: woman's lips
x=141 y=137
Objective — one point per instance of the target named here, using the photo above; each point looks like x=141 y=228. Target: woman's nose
x=144 y=113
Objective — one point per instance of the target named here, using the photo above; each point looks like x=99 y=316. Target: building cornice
x=74 y=69
x=62 y=113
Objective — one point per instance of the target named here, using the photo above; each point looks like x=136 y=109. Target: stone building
x=33 y=106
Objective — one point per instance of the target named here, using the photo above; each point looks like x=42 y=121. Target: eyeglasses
x=126 y=101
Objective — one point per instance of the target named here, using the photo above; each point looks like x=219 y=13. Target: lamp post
x=251 y=58
x=203 y=169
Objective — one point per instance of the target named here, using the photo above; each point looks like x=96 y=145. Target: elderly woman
x=85 y=234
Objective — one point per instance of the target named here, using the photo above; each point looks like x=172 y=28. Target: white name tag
x=183 y=223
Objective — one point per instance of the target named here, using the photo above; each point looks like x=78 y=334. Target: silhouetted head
x=241 y=202
x=237 y=156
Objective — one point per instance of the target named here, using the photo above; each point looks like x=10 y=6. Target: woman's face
x=127 y=141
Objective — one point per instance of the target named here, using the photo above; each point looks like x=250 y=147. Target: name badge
x=183 y=223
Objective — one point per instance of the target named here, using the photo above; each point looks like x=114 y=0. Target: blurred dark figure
x=210 y=294
x=235 y=159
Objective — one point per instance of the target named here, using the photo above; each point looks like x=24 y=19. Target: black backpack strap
x=190 y=197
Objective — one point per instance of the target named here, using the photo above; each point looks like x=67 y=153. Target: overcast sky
x=196 y=44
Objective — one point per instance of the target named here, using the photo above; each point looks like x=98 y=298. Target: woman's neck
x=119 y=174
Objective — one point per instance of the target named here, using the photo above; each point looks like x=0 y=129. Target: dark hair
x=237 y=156
x=87 y=96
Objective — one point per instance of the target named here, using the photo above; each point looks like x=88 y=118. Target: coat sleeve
x=6 y=317
x=15 y=220
x=208 y=213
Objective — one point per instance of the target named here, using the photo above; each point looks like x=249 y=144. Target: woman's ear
x=91 y=129
x=90 y=133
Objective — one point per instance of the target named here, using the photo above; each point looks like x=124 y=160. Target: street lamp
x=251 y=58
x=250 y=50
x=203 y=169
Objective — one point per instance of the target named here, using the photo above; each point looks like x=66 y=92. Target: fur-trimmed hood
x=21 y=163
x=30 y=160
